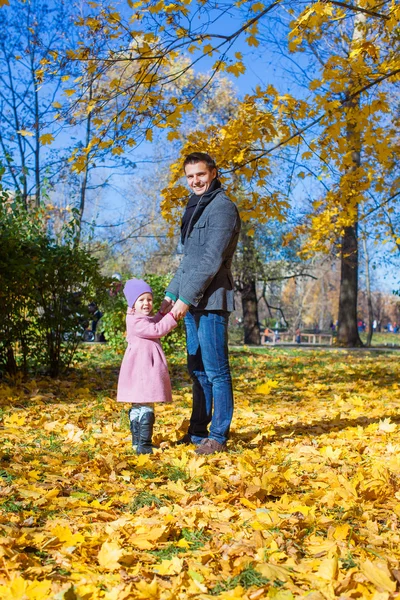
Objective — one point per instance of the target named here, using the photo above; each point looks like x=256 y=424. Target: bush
x=46 y=284
x=113 y=322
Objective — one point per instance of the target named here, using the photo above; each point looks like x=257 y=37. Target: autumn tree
x=337 y=125
x=29 y=32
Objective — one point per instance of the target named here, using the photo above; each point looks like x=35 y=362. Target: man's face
x=199 y=177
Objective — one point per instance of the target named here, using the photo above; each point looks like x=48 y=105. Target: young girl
x=144 y=378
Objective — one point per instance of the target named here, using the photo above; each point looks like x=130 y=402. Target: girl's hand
x=166 y=305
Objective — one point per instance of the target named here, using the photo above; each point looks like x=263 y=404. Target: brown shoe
x=210 y=446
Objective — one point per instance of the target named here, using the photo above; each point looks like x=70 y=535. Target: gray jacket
x=204 y=277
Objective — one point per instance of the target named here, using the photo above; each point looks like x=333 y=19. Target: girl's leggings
x=137 y=411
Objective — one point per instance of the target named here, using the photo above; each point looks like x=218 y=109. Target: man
x=202 y=292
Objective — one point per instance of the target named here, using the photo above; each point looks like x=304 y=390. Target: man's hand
x=166 y=305
x=180 y=309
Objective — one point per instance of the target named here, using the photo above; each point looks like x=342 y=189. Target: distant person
x=143 y=378
x=203 y=292
x=96 y=315
x=116 y=284
x=298 y=335
x=268 y=335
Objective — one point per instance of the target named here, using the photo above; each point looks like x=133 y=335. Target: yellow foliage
x=46 y=138
x=306 y=496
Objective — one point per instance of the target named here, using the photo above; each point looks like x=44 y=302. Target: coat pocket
x=199 y=233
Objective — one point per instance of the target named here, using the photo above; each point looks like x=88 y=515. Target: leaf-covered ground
x=305 y=504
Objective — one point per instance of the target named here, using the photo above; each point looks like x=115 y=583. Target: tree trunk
x=369 y=296
x=250 y=314
x=86 y=171
x=37 y=132
x=248 y=289
x=348 y=329
x=11 y=365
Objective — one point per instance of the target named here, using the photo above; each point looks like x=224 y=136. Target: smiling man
x=202 y=292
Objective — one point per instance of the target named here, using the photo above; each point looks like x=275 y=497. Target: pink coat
x=144 y=376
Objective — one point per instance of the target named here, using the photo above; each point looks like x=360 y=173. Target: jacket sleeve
x=153 y=330
x=194 y=280
x=174 y=284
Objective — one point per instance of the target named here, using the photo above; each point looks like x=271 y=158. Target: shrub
x=46 y=284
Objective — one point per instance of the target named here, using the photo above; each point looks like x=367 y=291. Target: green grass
x=195 y=538
x=247 y=578
x=175 y=473
x=146 y=499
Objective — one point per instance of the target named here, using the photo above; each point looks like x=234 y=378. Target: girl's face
x=144 y=304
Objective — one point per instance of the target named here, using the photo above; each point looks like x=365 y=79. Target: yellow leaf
x=238 y=592
x=149 y=135
x=31 y=492
x=4 y=3
x=330 y=453
x=170 y=567
x=341 y=532
x=64 y=534
x=25 y=133
x=19 y=588
x=247 y=503
x=46 y=138
x=109 y=555
x=378 y=574
x=387 y=426
x=147 y=591
x=69 y=92
x=74 y=434
x=328 y=568
x=146 y=537
x=267 y=387
x=142 y=459
x=57 y=105
x=15 y=419
x=237 y=68
x=117 y=150
x=252 y=41
x=273 y=572
x=208 y=49
x=196 y=576
x=173 y=135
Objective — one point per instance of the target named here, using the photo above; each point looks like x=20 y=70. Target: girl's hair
x=196 y=157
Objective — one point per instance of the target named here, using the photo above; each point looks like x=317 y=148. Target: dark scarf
x=192 y=205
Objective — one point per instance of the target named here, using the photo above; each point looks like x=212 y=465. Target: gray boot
x=146 y=433
x=134 y=427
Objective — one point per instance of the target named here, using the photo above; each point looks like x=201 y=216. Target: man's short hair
x=196 y=157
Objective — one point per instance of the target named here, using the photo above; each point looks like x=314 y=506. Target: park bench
x=308 y=338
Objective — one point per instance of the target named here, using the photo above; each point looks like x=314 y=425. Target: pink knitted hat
x=135 y=288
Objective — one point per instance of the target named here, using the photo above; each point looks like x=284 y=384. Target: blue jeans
x=208 y=365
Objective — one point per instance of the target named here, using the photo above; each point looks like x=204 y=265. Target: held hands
x=179 y=310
